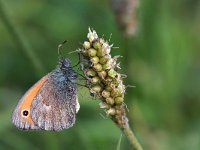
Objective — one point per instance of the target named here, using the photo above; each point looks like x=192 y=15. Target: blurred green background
x=162 y=60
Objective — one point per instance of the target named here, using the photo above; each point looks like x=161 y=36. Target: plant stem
x=123 y=123
x=132 y=139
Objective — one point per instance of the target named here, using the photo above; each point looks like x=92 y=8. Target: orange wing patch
x=28 y=98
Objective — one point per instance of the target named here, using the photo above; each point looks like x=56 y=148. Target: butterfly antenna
x=60 y=46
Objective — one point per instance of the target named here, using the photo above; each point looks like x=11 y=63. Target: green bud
x=100 y=53
x=91 y=73
x=92 y=35
x=97 y=45
x=102 y=74
x=104 y=59
x=107 y=66
x=114 y=84
x=98 y=67
x=116 y=92
x=92 y=52
x=105 y=94
x=111 y=63
x=91 y=38
x=94 y=60
x=107 y=51
x=119 y=100
x=86 y=45
x=95 y=80
x=110 y=101
x=108 y=88
x=96 y=89
x=121 y=87
x=112 y=73
x=106 y=48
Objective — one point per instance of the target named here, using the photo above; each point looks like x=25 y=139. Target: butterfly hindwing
x=54 y=107
x=51 y=104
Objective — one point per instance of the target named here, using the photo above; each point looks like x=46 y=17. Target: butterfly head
x=66 y=68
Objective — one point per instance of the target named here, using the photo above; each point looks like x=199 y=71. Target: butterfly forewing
x=21 y=116
x=54 y=106
x=51 y=104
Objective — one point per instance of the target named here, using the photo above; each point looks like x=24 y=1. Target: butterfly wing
x=51 y=104
x=21 y=116
x=54 y=107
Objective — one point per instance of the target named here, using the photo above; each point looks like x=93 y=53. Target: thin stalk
x=132 y=139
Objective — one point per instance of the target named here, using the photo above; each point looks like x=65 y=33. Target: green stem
x=20 y=39
x=132 y=139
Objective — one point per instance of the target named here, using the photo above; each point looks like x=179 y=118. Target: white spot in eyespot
x=25 y=113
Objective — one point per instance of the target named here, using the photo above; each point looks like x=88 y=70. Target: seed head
x=103 y=79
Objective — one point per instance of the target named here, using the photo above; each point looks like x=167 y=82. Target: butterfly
x=51 y=103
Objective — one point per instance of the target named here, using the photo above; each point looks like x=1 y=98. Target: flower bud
x=95 y=80
x=108 y=88
x=114 y=84
x=92 y=35
x=105 y=94
x=111 y=111
x=97 y=67
x=119 y=100
x=112 y=73
x=110 y=101
x=116 y=92
x=121 y=87
x=86 y=45
x=91 y=73
x=97 y=45
x=104 y=59
x=96 y=89
x=94 y=60
x=107 y=66
x=92 y=52
x=106 y=48
x=102 y=74
x=100 y=52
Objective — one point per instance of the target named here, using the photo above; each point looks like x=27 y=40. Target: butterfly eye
x=25 y=113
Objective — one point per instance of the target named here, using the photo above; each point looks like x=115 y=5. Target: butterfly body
x=51 y=104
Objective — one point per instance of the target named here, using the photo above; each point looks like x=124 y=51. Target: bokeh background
x=161 y=58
